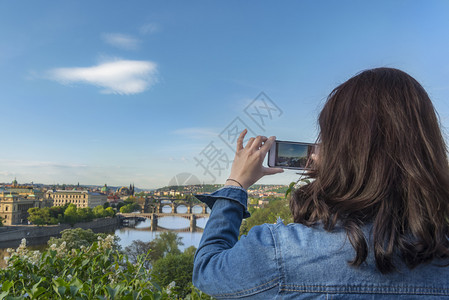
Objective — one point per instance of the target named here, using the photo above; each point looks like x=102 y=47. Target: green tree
x=41 y=216
x=120 y=205
x=190 y=250
x=109 y=212
x=85 y=214
x=269 y=214
x=71 y=215
x=36 y=217
x=129 y=208
x=57 y=212
x=130 y=199
x=137 y=249
x=99 y=211
x=176 y=268
x=166 y=243
x=75 y=238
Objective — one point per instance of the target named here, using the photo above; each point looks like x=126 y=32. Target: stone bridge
x=156 y=207
x=154 y=217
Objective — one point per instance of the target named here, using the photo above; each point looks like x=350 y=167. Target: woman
x=372 y=224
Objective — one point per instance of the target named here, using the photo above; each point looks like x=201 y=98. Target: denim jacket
x=277 y=261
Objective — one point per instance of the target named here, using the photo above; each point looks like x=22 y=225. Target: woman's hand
x=247 y=167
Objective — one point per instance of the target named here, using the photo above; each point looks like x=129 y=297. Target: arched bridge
x=174 y=205
x=154 y=217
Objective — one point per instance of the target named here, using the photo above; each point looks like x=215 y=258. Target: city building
x=14 y=207
x=15 y=200
x=24 y=190
x=124 y=192
x=79 y=198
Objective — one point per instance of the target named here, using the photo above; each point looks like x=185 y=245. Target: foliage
x=138 y=248
x=166 y=243
x=95 y=272
x=41 y=216
x=171 y=268
x=58 y=211
x=191 y=199
x=67 y=214
x=110 y=212
x=174 y=268
x=120 y=205
x=77 y=238
x=98 y=271
x=70 y=214
x=269 y=214
x=141 y=194
x=1 y=221
x=130 y=199
x=129 y=208
x=190 y=250
x=101 y=212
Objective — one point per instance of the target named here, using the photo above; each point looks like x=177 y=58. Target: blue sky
x=138 y=92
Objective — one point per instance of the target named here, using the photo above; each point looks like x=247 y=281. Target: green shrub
x=78 y=237
x=175 y=272
x=95 y=272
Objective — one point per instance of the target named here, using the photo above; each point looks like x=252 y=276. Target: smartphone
x=291 y=155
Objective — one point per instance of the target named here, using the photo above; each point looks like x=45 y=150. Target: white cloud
x=121 y=41
x=196 y=132
x=115 y=77
x=149 y=28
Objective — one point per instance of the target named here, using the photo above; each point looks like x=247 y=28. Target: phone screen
x=291 y=155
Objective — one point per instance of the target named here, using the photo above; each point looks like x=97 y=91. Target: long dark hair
x=382 y=160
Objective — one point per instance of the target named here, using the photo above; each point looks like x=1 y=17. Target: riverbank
x=10 y=236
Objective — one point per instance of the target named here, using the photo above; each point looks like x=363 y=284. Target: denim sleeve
x=225 y=267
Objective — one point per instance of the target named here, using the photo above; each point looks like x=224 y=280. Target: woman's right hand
x=247 y=167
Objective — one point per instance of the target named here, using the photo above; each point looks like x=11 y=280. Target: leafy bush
x=98 y=271
x=78 y=237
x=175 y=271
x=95 y=272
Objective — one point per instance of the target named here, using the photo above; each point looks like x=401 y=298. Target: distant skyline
x=108 y=92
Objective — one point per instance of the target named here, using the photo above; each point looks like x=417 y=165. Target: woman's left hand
x=247 y=167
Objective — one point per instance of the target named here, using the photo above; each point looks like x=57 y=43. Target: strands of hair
x=382 y=160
